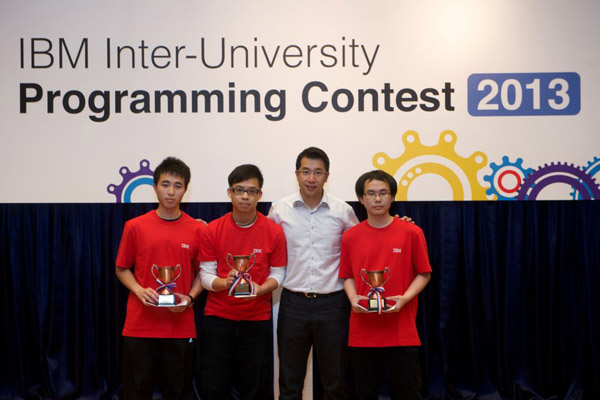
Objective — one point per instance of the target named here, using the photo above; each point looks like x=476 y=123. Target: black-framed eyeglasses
x=240 y=190
x=372 y=195
x=316 y=173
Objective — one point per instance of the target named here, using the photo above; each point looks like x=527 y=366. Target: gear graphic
x=506 y=178
x=558 y=173
x=592 y=169
x=131 y=180
x=440 y=159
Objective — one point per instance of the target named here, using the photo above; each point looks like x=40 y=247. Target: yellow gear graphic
x=440 y=159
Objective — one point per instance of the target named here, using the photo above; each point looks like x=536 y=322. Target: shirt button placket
x=312 y=251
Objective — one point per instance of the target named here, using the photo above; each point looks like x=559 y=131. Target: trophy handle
x=227 y=258
x=253 y=258
x=363 y=273
x=177 y=267
x=154 y=268
x=389 y=273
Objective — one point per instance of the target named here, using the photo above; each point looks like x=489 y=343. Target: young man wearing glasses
x=314 y=310
x=236 y=331
x=384 y=334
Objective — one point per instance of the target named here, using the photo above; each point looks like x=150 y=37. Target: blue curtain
x=512 y=310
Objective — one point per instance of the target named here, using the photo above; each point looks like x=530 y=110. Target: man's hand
x=182 y=301
x=400 y=302
x=148 y=296
x=356 y=307
x=258 y=291
x=405 y=218
x=230 y=279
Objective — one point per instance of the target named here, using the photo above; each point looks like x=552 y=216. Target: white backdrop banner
x=461 y=100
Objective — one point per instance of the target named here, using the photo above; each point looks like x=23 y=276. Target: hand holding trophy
x=242 y=285
x=376 y=279
x=166 y=279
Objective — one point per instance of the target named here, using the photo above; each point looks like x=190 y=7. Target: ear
x=260 y=195
x=361 y=200
x=229 y=193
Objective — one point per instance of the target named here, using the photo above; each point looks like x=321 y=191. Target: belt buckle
x=310 y=295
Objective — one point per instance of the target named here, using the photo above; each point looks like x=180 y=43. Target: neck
x=168 y=214
x=312 y=202
x=380 y=221
x=244 y=219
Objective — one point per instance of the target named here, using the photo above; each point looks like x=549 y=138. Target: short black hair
x=375 y=175
x=173 y=166
x=314 y=153
x=245 y=172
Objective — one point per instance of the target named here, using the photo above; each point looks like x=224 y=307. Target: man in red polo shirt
x=236 y=331
x=385 y=336
x=158 y=342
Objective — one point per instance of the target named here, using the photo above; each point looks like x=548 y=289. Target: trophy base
x=166 y=300
x=373 y=306
x=181 y=304
x=370 y=305
x=242 y=290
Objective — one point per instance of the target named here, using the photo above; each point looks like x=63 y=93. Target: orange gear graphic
x=440 y=159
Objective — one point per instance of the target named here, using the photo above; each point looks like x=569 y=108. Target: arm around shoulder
x=272 y=214
x=352 y=219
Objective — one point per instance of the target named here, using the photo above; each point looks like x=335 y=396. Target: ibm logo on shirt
x=185 y=246
x=396 y=250
x=257 y=251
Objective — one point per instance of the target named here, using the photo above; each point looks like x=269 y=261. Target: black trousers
x=236 y=355
x=322 y=323
x=150 y=363
x=370 y=365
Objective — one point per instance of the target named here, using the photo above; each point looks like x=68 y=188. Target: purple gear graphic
x=498 y=171
x=558 y=173
x=592 y=169
x=131 y=180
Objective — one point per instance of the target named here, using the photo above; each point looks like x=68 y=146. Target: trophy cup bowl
x=375 y=279
x=166 y=277
x=242 y=264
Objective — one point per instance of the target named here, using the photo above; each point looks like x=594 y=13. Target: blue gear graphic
x=592 y=169
x=558 y=173
x=497 y=174
x=131 y=180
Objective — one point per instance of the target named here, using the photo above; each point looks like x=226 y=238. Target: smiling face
x=244 y=203
x=311 y=178
x=169 y=192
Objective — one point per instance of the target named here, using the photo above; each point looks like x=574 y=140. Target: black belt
x=311 y=295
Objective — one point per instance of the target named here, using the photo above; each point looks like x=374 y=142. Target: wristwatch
x=192 y=300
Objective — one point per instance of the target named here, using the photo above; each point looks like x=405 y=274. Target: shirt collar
x=297 y=200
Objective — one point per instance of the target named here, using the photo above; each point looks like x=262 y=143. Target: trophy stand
x=242 y=285
x=166 y=279
x=375 y=280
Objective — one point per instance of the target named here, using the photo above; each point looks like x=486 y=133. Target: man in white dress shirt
x=314 y=310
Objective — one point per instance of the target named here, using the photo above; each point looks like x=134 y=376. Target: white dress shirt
x=313 y=241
